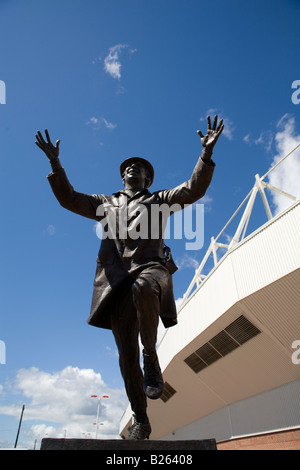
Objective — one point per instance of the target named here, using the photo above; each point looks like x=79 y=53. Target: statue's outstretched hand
x=209 y=140
x=50 y=150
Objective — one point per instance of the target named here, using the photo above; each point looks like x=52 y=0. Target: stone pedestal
x=123 y=446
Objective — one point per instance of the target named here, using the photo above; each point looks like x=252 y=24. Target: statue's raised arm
x=80 y=203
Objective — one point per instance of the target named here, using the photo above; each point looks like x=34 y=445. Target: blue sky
x=112 y=79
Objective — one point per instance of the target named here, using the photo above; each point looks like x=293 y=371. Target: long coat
x=121 y=258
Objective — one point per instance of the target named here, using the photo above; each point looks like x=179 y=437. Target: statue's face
x=135 y=175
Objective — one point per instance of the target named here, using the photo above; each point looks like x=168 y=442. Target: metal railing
x=259 y=187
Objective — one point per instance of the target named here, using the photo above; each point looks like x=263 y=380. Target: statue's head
x=137 y=170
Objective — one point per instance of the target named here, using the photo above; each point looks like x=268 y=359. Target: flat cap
x=147 y=164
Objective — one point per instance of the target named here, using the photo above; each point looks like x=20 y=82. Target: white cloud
x=207 y=201
x=108 y=125
x=96 y=123
x=186 y=261
x=228 y=128
x=178 y=302
x=63 y=399
x=50 y=230
x=112 y=64
x=93 y=120
x=112 y=352
x=247 y=139
x=287 y=175
x=96 y=60
x=265 y=139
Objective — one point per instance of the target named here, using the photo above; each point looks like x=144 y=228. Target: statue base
x=121 y=445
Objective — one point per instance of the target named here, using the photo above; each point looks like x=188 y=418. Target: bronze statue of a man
x=133 y=282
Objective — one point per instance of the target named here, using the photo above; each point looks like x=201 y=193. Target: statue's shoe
x=139 y=431
x=153 y=380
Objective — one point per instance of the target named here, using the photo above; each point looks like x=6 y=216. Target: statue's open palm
x=209 y=140
x=50 y=150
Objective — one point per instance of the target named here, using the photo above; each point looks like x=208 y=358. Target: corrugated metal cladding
x=233 y=336
x=268 y=254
